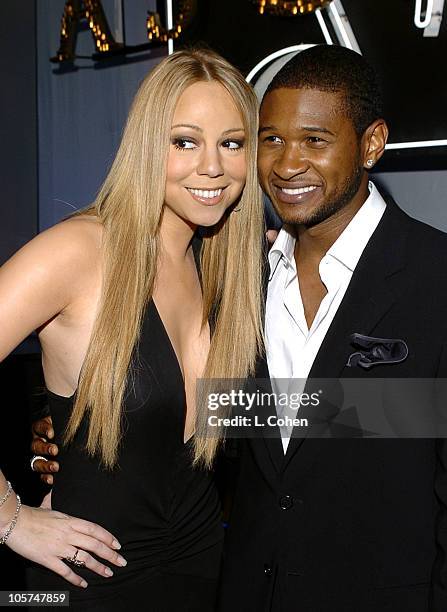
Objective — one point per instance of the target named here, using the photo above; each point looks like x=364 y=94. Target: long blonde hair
x=129 y=206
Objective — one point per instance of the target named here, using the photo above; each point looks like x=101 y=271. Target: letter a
x=77 y=14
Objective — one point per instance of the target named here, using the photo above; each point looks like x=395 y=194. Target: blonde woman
x=124 y=296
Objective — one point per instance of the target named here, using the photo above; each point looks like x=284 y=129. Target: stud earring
x=370 y=163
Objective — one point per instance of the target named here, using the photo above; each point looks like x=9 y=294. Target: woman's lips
x=209 y=197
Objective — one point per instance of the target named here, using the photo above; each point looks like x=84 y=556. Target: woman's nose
x=210 y=162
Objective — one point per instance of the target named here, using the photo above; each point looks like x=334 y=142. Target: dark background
x=20 y=374
x=18 y=126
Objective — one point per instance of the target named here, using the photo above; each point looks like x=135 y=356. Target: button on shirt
x=290 y=345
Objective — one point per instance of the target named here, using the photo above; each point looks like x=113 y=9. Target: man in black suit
x=340 y=525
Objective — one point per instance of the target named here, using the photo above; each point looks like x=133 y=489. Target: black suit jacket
x=360 y=525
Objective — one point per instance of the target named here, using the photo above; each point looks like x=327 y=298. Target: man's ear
x=373 y=143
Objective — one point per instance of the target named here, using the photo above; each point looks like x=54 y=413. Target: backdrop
x=81 y=114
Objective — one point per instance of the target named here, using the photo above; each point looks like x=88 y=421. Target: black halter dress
x=165 y=514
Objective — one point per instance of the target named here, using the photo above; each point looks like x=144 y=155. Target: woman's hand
x=46 y=502
x=47 y=537
x=42 y=431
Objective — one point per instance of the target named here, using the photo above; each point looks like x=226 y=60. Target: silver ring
x=34 y=459
x=75 y=560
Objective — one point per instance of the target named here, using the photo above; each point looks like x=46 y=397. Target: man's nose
x=291 y=162
x=210 y=162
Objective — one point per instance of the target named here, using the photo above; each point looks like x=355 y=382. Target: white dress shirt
x=290 y=345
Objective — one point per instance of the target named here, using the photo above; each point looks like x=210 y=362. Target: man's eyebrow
x=315 y=128
x=307 y=128
x=267 y=128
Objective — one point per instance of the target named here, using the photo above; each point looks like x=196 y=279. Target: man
x=339 y=525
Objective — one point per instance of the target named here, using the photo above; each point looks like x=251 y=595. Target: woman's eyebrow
x=188 y=125
x=199 y=129
x=239 y=129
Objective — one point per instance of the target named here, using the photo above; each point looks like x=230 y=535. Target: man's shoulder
x=421 y=234
x=428 y=231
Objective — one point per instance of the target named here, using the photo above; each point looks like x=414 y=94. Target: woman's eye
x=182 y=144
x=233 y=145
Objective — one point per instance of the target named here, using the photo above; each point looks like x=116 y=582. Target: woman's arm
x=39 y=284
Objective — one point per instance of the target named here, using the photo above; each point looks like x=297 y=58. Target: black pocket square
x=376 y=351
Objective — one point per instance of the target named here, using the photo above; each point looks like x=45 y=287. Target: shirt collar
x=349 y=246
x=283 y=248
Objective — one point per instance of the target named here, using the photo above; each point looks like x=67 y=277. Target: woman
x=124 y=317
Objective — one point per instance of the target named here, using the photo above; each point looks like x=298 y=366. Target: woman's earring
x=370 y=163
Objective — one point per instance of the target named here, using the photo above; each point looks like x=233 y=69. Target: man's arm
x=43 y=432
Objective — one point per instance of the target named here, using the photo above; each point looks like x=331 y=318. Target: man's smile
x=296 y=194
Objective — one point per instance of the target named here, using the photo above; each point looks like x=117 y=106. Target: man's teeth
x=299 y=191
x=206 y=193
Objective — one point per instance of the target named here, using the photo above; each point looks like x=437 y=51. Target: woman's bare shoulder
x=60 y=258
x=83 y=231
x=73 y=242
x=46 y=276
x=76 y=236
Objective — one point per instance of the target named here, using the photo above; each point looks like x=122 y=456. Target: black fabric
x=365 y=523
x=165 y=513
x=39 y=407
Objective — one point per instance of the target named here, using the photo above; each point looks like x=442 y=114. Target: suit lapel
x=269 y=438
x=375 y=285
x=271 y=435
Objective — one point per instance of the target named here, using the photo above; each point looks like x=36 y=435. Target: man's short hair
x=337 y=70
